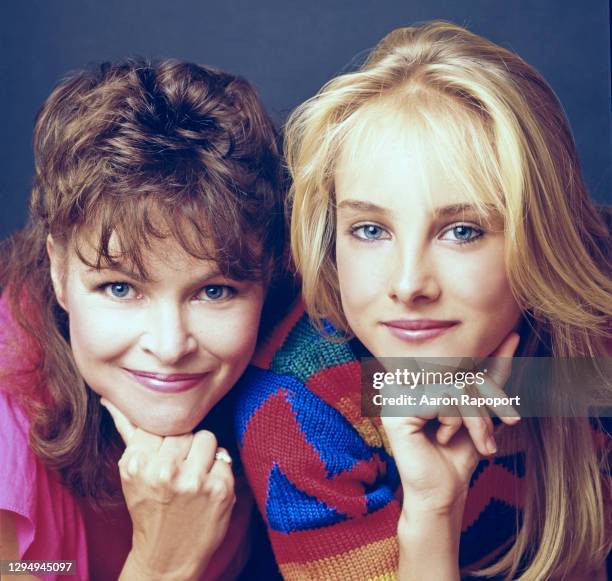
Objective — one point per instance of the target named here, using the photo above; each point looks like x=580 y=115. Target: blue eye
x=463 y=234
x=368 y=232
x=118 y=290
x=216 y=292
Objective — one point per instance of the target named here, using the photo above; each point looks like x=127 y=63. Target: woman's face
x=163 y=350
x=420 y=272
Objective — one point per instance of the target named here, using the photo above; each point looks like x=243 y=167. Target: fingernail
x=491 y=445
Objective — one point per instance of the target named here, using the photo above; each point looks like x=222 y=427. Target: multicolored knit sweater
x=323 y=476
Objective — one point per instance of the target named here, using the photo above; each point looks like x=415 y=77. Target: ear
x=57 y=259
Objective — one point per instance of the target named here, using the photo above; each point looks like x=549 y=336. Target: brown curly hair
x=114 y=147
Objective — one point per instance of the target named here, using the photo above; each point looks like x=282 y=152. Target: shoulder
x=18 y=463
x=298 y=357
x=14 y=429
x=296 y=347
x=17 y=460
x=20 y=470
x=311 y=374
x=47 y=518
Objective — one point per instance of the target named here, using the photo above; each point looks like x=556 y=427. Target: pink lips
x=418 y=330
x=160 y=382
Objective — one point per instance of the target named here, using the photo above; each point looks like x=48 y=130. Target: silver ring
x=223 y=456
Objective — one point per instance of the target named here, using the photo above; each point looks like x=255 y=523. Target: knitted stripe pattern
x=323 y=475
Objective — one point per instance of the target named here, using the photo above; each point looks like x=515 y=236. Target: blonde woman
x=438 y=209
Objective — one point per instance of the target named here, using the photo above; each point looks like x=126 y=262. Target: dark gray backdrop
x=288 y=50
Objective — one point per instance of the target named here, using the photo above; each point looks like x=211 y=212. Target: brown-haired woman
x=155 y=238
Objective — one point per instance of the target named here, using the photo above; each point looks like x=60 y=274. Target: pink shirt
x=49 y=522
x=54 y=525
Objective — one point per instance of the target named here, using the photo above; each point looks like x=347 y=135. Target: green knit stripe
x=305 y=352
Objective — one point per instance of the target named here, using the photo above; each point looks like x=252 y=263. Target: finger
x=166 y=463
x=201 y=455
x=130 y=464
x=480 y=429
x=222 y=468
x=434 y=392
x=506 y=412
x=498 y=372
x=463 y=444
x=449 y=426
x=145 y=441
x=220 y=481
x=175 y=447
x=404 y=433
x=125 y=428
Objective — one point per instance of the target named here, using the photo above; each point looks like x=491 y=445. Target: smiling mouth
x=166 y=383
x=418 y=330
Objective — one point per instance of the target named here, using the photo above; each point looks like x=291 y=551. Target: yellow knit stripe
x=373 y=562
x=364 y=426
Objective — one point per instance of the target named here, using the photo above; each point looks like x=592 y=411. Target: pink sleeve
x=48 y=520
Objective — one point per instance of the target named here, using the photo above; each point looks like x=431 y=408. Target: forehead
x=386 y=160
x=163 y=256
x=154 y=226
x=422 y=153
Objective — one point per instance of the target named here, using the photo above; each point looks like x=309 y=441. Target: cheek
x=88 y=332
x=361 y=277
x=99 y=335
x=479 y=291
x=231 y=336
x=480 y=284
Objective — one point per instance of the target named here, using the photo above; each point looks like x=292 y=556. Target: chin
x=169 y=429
x=167 y=426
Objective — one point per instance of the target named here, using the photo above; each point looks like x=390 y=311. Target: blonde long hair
x=523 y=161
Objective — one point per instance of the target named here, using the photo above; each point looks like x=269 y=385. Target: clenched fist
x=179 y=491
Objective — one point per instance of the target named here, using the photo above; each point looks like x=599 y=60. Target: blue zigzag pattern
x=294 y=510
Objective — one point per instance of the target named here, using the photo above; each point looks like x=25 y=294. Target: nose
x=413 y=278
x=167 y=333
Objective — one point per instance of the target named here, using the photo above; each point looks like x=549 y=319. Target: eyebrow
x=136 y=276
x=119 y=269
x=454 y=209
x=442 y=212
x=361 y=205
